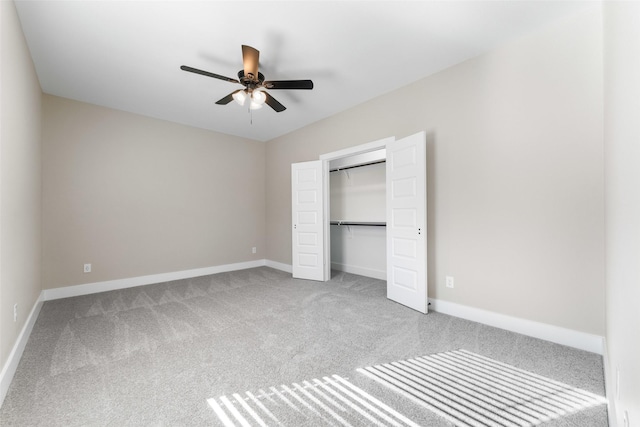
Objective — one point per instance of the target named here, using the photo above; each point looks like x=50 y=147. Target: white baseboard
x=11 y=365
x=112 y=285
x=556 y=334
x=362 y=271
x=279 y=266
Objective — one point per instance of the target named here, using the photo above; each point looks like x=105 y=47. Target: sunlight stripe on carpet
x=330 y=401
x=468 y=389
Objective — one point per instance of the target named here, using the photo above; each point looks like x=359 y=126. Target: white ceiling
x=126 y=54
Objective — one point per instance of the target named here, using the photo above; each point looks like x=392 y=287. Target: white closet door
x=407 y=221
x=308 y=220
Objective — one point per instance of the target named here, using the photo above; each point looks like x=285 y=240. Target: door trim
x=358 y=149
x=326 y=187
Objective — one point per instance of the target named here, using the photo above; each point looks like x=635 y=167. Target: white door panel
x=308 y=224
x=407 y=222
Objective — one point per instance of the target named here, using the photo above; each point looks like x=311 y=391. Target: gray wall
x=622 y=177
x=515 y=174
x=20 y=180
x=135 y=196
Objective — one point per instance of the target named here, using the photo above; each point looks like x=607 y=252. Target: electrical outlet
x=15 y=312
x=449 y=281
x=254 y=250
x=87 y=268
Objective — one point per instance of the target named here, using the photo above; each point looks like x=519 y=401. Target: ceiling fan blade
x=227 y=99
x=250 y=58
x=208 y=74
x=289 y=84
x=271 y=102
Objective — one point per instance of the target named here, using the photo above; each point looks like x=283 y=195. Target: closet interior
x=357 y=205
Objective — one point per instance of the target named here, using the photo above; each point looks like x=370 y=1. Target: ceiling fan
x=254 y=83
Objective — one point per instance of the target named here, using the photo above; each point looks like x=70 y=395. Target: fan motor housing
x=250 y=79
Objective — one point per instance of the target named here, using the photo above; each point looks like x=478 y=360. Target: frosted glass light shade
x=258 y=97
x=240 y=97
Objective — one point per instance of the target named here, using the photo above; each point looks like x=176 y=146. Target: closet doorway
x=405 y=215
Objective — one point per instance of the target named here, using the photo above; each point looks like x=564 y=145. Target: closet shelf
x=366 y=223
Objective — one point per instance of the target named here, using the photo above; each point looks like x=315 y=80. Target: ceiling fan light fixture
x=255 y=86
x=240 y=96
x=258 y=96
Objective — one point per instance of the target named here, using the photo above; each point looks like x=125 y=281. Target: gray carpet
x=185 y=352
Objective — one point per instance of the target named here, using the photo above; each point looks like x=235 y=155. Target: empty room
x=353 y=213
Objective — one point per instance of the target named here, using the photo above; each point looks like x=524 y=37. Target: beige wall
x=622 y=177
x=515 y=191
x=515 y=174
x=20 y=180
x=135 y=196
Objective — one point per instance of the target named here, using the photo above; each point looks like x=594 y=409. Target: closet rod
x=357 y=166
x=369 y=223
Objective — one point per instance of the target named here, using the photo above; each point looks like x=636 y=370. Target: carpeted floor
x=224 y=348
